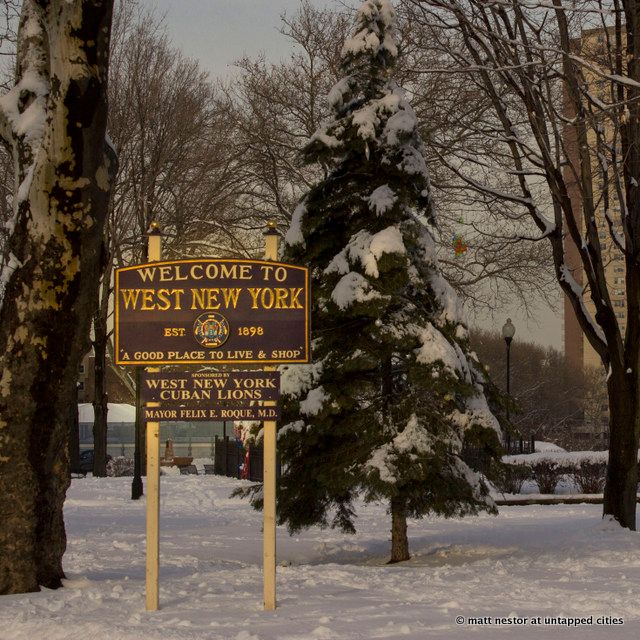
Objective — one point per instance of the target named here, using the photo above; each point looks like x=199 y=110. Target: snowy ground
x=547 y=561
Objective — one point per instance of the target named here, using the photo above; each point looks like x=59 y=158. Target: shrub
x=120 y=466
x=509 y=478
x=590 y=476
x=547 y=473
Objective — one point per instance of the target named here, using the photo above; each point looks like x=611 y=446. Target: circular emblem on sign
x=211 y=330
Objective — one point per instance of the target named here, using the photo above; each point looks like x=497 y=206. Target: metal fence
x=479 y=460
x=515 y=446
x=228 y=457
x=231 y=457
x=233 y=461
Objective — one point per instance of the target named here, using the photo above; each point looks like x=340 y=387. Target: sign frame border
x=153 y=363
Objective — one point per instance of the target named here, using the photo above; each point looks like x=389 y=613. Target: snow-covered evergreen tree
x=393 y=390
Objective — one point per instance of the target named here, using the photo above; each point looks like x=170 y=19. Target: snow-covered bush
x=509 y=478
x=590 y=476
x=547 y=474
x=570 y=459
x=587 y=469
x=548 y=468
x=120 y=466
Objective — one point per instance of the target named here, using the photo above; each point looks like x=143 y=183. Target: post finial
x=272 y=228
x=154 y=229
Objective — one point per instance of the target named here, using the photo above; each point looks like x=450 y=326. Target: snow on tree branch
x=23 y=108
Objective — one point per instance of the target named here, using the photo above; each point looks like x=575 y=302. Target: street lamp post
x=508 y=331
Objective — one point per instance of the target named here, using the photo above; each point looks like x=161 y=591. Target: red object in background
x=244 y=475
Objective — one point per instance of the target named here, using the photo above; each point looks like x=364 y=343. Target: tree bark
x=74 y=436
x=399 y=539
x=622 y=470
x=100 y=409
x=100 y=397
x=137 y=487
x=64 y=170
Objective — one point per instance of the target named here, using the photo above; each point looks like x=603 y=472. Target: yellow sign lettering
x=130 y=297
x=294 y=302
x=147 y=300
x=231 y=297
x=253 y=292
x=147 y=274
x=275 y=297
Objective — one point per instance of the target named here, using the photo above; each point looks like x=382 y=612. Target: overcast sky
x=217 y=32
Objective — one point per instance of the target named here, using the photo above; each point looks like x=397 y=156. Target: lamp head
x=508 y=331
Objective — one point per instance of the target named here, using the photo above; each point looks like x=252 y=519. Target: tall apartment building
x=576 y=347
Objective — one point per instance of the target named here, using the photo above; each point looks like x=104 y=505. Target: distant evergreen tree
x=393 y=390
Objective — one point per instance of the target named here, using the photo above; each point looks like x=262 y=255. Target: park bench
x=189 y=470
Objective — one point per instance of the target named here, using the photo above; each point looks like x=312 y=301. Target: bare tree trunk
x=74 y=436
x=100 y=397
x=399 y=539
x=137 y=487
x=622 y=471
x=64 y=168
x=100 y=409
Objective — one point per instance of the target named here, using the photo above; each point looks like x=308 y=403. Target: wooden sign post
x=269 y=477
x=153 y=469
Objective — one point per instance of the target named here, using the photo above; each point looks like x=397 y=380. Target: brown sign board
x=210 y=387
x=208 y=414
x=211 y=311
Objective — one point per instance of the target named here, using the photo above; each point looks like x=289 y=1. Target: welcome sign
x=212 y=311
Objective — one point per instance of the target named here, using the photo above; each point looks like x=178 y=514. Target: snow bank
x=564 y=458
x=543 y=447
